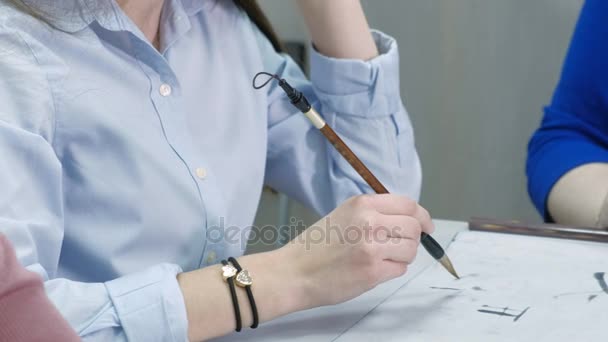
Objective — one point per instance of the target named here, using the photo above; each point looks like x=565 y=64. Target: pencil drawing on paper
x=600 y=277
x=474 y=288
x=506 y=312
x=507 y=293
x=445 y=288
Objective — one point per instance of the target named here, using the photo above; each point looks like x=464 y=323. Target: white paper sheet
x=513 y=288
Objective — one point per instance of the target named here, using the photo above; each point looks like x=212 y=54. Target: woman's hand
x=368 y=240
x=339 y=28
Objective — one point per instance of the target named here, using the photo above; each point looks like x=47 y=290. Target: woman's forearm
x=322 y=266
x=579 y=197
x=276 y=289
x=339 y=28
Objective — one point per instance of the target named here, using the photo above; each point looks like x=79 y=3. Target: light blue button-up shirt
x=121 y=166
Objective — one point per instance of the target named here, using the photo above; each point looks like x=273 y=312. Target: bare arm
x=339 y=28
x=315 y=269
x=579 y=197
x=208 y=301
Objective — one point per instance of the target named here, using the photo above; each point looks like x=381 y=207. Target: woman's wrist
x=278 y=279
x=339 y=28
x=278 y=288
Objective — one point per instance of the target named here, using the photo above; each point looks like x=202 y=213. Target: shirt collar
x=75 y=15
x=192 y=7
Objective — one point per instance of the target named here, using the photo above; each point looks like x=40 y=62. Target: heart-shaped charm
x=244 y=279
x=228 y=271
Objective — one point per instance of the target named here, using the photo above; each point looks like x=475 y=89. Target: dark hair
x=257 y=16
x=251 y=7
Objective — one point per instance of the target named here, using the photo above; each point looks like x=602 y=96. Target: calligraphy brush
x=299 y=101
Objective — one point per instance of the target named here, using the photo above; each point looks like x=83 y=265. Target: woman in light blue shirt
x=133 y=152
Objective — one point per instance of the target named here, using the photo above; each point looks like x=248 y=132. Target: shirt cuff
x=150 y=304
x=357 y=87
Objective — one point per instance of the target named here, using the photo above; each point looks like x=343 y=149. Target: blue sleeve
x=147 y=306
x=574 y=130
x=361 y=101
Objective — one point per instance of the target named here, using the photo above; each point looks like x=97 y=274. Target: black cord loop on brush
x=235 y=301
x=254 y=308
x=295 y=96
x=271 y=77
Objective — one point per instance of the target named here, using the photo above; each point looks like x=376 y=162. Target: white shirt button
x=211 y=257
x=165 y=90
x=201 y=173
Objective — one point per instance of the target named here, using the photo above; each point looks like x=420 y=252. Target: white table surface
x=332 y=322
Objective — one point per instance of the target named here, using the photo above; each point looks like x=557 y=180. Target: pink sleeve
x=26 y=314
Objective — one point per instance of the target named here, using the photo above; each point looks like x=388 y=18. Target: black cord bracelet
x=254 y=308
x=235 y=301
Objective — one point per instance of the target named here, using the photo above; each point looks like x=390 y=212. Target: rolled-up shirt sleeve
x=361 y=101
x=144 y=306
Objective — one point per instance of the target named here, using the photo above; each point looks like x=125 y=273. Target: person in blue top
x=133 y=152
x=567 y=164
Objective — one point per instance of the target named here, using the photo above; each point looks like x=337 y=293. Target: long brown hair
x=257 y=16
x=251 y=7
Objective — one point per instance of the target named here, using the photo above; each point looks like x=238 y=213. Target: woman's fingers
x=392 y=270
x=389 y=204
x=394 y=226
x=397 y=237
x=398 y=250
